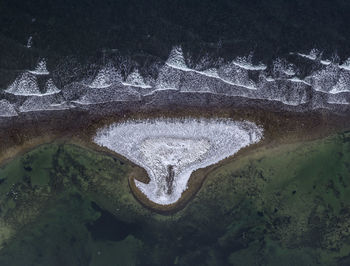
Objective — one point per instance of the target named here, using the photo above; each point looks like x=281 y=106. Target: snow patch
x=246 y=63
x=105 y=78
x=40 y=68
x=170 y=150
x=25 y=85
x=176 y=59
x=7 y=109
x=345 y=65
x=135 y=79
x=314 y=53
x=51 y=88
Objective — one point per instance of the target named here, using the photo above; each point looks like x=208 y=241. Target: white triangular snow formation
x=211 y=73
x=40 y=68
x=343 y=84
x=170 y=150
x=136 y=80
x=7 y=109
x=105 y=78
x=176 y=59
x=44 y=103
x=51 y=88
x=25 y=85
x=282 y=69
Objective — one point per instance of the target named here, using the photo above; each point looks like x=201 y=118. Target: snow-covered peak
x=25 y=85
x=105 y=77
x=176 y=58
x=342 y=85
x=40 y=68
x=281 y=68
x=136 y=80
x=210 y=72
x=51 y=87
x=7 y=109
x=170 y=150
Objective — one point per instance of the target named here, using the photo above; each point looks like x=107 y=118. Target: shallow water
x=280 y=206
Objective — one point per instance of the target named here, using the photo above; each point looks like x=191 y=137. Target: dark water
x=85 y=27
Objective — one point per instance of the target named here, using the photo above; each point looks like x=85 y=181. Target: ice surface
x=108 y=94
x=326 y=62
x=246 y=63
x=343 y=83
x=7 y=109
x=27 y=85
x=290 y=84
x=51 y=88
x=325 y=79
x=105 y=78
x=211 y=73
x=235 y=75
x=345 y=65
x=338 y=99
x=176 y=59
x=43 y=103
x=295 y=79
x=24 y=85
x=40 y=68
x=314 y=53
x=135 y=79
x=282 y=69
x=170 y=150
x=290 y=92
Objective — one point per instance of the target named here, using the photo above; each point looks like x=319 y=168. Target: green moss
x=116 y=253
x=286 y=205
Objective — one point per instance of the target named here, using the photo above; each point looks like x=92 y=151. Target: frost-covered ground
x=299 y=82
x=171 y=149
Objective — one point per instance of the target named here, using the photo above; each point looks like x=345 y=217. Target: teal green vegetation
x=63 y=204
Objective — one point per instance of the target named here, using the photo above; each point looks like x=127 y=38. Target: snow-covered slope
x=170 y=150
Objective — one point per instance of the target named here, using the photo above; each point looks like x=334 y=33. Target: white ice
x=345 y=65
x=178 y=146
x=45 y=103
x=314 y=53
x=24 y=85
x=237 y=71
x=40 y=68
x=27 y=85
x=105 y=78
x=51 y=88
x=326 y=62
x=7 y=109
x=135 y=79
x=246 y=63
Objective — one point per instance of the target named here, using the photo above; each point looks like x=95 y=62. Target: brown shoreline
x=279 y=128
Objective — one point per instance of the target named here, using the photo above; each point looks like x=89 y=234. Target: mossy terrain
x=62 y=204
